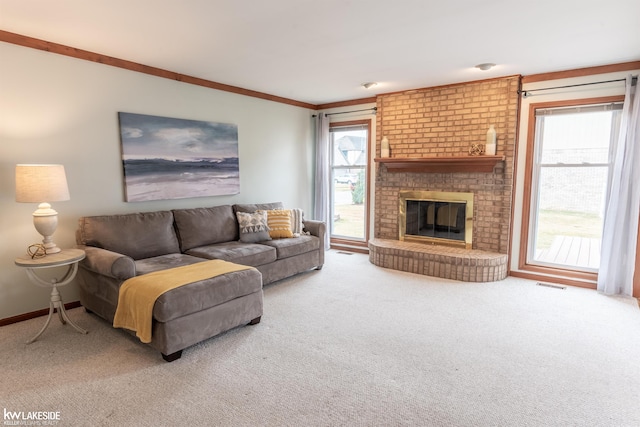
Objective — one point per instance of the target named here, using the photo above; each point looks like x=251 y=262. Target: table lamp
x=42 y=184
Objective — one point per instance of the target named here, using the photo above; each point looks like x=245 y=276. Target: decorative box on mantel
x=449 y=164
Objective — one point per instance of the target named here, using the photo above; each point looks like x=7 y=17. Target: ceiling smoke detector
x=485 y=66
x=369 y=85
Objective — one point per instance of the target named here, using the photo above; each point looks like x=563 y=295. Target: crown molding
x=86 y=55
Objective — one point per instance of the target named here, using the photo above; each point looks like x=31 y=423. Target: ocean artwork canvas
x=167 y=158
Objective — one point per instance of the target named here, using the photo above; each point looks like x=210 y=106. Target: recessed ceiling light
x=369 y=85
x=485 y=66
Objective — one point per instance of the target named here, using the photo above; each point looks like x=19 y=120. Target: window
x=349 y=181
x=570 y=165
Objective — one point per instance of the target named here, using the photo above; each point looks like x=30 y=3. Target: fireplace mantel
x=449 y=164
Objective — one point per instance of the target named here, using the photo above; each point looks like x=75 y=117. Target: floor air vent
x=550 y=285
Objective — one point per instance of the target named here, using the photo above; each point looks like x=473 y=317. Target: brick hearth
x=468 y=265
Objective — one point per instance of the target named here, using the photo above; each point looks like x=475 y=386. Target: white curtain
x=621 y=221
x=322 y=180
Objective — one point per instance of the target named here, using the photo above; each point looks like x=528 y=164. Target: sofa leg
x=319 y=267
x=173 y=356
x=255 y=321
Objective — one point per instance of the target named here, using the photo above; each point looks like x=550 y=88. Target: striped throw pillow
x=279 y=222
x=297 y=227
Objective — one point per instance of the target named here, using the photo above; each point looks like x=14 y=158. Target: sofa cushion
x=162 y=262
x=138 y=235
x=259 y=206
x=286 y=248
x=241 y=253
x=204 y=294
x=253 y=226
x=205 y=226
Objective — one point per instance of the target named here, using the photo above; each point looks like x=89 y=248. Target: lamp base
x=50 y=247
x=45 y=219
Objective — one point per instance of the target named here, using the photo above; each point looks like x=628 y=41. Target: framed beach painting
x=166 y=158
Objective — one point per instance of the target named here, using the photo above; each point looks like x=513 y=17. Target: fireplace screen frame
x=436 y=196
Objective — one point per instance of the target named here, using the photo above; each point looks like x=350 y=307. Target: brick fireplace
x=442 y=123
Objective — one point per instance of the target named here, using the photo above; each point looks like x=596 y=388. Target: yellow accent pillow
x=279 y=222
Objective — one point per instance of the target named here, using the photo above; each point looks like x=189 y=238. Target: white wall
x=580 y=92
x=56 y=109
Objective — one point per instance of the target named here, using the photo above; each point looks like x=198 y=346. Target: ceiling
x=322 y=51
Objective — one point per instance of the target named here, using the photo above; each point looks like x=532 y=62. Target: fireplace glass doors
x=436 y=217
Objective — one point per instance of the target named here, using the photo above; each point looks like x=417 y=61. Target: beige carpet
x=351 y=345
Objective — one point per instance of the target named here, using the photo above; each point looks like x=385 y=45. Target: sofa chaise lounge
x=119 y=247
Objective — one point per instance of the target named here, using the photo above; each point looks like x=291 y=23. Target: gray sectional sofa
x=119 y=247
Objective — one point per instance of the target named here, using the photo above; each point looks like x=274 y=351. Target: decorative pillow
x=253 y=227
x=279 y=222
x=297 y=227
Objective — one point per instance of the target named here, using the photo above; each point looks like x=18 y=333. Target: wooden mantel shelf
x=448 y=164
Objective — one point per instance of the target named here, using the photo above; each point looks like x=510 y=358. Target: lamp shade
x=41 y=183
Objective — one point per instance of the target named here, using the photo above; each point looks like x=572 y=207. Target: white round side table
x=68 y=257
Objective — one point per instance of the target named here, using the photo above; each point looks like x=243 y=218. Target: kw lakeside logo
x=31 y=418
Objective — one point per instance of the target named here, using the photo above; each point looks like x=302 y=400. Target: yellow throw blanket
x=139 y=294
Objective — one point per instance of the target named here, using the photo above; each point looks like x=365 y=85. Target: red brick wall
x=445 y=121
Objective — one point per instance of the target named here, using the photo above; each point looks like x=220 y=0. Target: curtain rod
x=374 y=109
x=525 y=93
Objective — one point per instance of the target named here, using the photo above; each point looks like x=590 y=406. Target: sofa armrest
x=316 y=228
x=108 y=263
